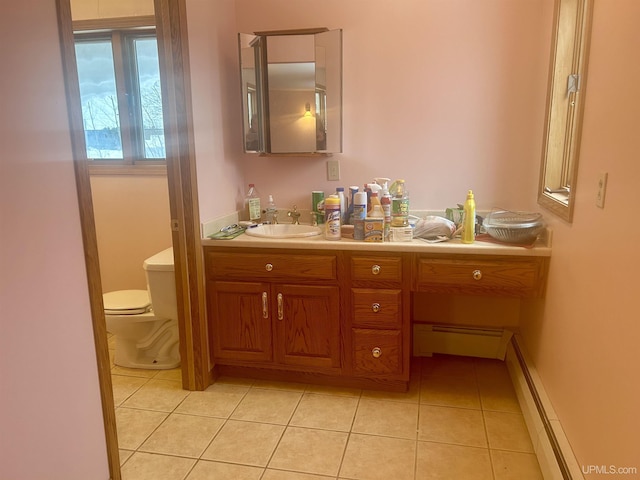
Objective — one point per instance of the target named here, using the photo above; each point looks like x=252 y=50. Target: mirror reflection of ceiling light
x=307 y=110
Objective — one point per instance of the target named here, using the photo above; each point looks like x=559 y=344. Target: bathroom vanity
x=339 y=312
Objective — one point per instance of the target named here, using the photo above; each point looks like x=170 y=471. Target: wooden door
x=240 y=323
x=307 y=325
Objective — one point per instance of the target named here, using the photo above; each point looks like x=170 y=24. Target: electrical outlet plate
x=333 y=170
x=602 y=189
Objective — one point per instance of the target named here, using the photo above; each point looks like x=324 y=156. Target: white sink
x=283 y=230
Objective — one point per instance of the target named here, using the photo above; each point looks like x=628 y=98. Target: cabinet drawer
x=376 y=269
x=507 y=276
x=377 y=352
x=376 y=308
x=266 y=266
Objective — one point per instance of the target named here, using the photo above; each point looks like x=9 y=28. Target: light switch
x=333 y=170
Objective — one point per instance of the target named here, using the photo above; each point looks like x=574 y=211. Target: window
x=120 y=96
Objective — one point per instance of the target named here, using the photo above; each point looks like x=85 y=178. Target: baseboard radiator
x=468 y=341
x=555 y=457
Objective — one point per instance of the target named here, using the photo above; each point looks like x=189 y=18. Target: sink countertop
x=541 y=249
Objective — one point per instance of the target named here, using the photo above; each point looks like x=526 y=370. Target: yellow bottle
x=469 y=221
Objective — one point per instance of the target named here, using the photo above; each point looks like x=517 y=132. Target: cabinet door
x=307 y=322
x=240 y=324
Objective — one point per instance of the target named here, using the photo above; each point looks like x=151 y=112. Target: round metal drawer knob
x=268 y=267
x=375 y=307
x=477 y=274
x=375 y=269
x=376 y=352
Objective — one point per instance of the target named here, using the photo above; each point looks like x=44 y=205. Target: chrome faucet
x=294 y=214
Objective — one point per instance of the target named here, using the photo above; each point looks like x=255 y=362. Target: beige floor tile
x=309 y=450
x=134 y=426
x=412 y=395
x=275 y=385
x=205 y=470
x=239 y=381
x=330 y=390
x=389 y=419
x=507 y=431
x=124 y=455
x=459 y=391
x=124 y=386
x=133 y=372
x=328 y=412
x=270 y=474
x=448 y=365
x=460 y=426
x=497 y=393
x=246 y=443
x=439 y=461
x=162 y=395
x=269 y=406
x=149 y=466
x=219 y=400
x=183 y=435
x=515 y=466
x=378 y=458
x=171 y=374
x=491 y=368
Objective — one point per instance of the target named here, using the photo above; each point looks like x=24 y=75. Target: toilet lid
x=126 y=302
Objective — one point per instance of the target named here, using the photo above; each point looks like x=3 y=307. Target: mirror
x=292 y=91
x=565 y=96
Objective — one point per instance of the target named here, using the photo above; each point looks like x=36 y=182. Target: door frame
x=173 y=52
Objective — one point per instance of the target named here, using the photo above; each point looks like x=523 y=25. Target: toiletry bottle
x=359 y=214
x=399 y=204
x=271 y=212
x=343 y=204
x=469 y=220
x=349 y=215
x=252 y=204
x=332 y=225
x=376 y=207
x=385 y=201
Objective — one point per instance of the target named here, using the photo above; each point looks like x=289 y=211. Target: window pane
x=148 y=71
x=99 y=99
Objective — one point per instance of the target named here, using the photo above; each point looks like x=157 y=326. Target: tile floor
x=460 y=420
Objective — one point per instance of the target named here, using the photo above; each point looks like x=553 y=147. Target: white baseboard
x=555 y=456
x=453 y=340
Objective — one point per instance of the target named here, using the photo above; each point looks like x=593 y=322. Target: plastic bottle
x=252 y=204
x=359 y=214
x=343 y=204
x=399 y=204
x=332 y=218
x=376 y=207
x=385 y=201
x=469 y=220
x=352 y=193
x=271 y=212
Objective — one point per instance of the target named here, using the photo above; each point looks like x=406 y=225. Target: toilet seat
x=126 y=302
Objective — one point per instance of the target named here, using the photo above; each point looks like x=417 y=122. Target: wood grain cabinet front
x=273 y=323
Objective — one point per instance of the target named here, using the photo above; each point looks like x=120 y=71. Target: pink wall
x=50 y=411
x=449 y=95
x=585 y=344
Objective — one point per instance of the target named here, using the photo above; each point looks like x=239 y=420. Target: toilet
x=145 y=322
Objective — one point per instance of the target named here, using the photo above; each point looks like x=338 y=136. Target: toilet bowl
x=144 y=322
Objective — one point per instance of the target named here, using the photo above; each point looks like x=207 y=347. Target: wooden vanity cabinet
x=377 y=329
x=274 y=309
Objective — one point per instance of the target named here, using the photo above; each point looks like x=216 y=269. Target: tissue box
x=400 y=234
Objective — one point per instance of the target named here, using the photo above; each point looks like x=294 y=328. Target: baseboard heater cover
x=555 y=456
x=453 y=340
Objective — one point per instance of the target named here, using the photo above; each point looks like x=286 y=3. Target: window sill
x=101 y=169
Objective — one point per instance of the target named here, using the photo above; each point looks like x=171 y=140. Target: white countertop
x=479 y=247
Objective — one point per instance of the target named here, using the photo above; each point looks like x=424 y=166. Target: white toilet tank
x=161 y=284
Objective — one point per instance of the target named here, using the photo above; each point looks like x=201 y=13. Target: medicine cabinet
x=291 y=84
x=565 y=105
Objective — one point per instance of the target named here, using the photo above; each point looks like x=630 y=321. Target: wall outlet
x=333 y=170
x=602 y=189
